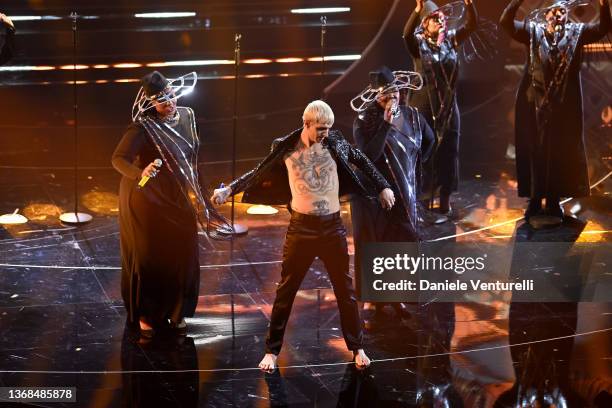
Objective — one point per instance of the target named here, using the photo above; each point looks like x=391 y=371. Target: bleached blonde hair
x=318 y=112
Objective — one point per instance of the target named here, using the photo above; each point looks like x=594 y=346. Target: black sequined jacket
x=268 y=182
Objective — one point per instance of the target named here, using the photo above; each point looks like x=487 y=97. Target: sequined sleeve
x=250 y=177
x=364 y=164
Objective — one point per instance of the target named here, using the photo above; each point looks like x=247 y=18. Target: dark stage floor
x=62 y=322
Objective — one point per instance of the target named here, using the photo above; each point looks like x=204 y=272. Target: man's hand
x=221 y=195
x=419 y=5
x=467 y=2
x=150 y=171
x=387 y=198
x=4 y=18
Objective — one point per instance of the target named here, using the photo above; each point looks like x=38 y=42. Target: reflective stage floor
x=62 y=322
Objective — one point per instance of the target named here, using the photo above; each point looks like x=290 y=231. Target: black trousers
x=443 y=166
x=310 y=236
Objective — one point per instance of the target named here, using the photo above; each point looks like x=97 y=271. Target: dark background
x=37 y=110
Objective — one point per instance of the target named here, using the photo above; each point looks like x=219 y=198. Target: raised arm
x=470 y=24
x=596 y=31
x=516 y=29
x=371 y=143
x=413 y=22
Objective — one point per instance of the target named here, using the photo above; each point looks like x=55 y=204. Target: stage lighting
x=350 y=57
x=261 y=210
x=257 y=61
x=189 y=63
x=166 y=15
x=16 y=68
x=34 y=18
x=321 y=10
x=12 y=219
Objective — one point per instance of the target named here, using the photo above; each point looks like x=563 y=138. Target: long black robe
x=158 y=226
x=7 y=35
x=550 y=152
x=437 y=101
x=396 y=150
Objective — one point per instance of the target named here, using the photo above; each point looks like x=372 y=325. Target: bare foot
x=268 y=363
x=361 y=360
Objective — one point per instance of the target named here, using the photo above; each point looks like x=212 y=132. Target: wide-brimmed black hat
x=384 y=80
x=381 y=78
x=428 y=8
x=154 y=83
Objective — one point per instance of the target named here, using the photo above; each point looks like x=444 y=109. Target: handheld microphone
x=157 y=163
x=557 y=34
x=395 y=108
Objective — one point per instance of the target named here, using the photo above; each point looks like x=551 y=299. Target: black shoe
x=401 y=311
x=432 y=218
x=554 y=208
x=179 y=328
x=147 y=333
x=533 y=208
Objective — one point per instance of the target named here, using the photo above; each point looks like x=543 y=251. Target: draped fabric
x=400 y=154
x=438 y=63
x=178 y=147
x=550 y=152
x=396 y=149
x=158 y=223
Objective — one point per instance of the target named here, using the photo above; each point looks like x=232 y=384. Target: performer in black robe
x=158 y=221
x=7 y=35
x=550 y=154
x=396 y=138
x=434 y=49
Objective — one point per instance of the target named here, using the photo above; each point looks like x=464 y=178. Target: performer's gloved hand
x=221 y=195
x=150 y=171
x=4 y=18
x=387 y=198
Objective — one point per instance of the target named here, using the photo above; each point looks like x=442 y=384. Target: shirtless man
x=305 y=168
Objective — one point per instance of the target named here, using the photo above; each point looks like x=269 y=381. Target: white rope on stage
x=340 y=363
x=604 y=178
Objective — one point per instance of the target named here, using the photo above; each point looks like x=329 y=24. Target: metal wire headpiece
x=175 y=89
x=403 y=80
